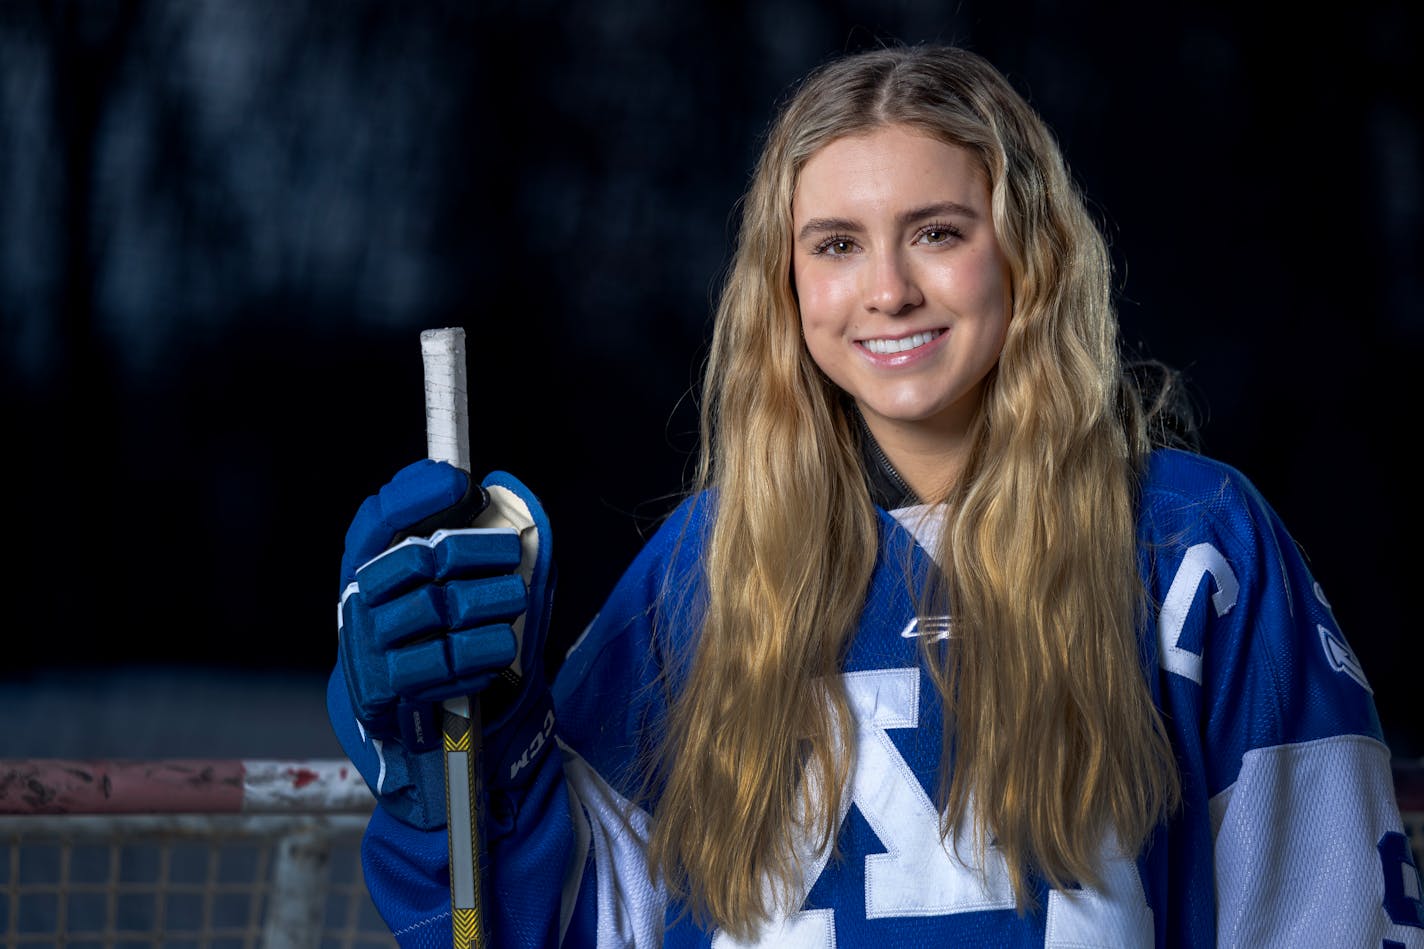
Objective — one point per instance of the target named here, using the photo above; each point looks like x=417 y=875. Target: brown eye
x=939 y=234
x=836 y=247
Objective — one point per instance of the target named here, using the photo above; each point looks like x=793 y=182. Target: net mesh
x=224 y=881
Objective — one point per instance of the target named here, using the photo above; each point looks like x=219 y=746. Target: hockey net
x=221 y=854
x=185 y=853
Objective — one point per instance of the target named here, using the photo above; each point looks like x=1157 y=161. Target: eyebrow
x=822 y=225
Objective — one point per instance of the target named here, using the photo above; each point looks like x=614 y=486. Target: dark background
x=224 y=223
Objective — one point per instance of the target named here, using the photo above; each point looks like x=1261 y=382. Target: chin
x=905 y=412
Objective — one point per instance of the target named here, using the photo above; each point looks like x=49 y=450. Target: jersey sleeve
x=611 y=694
x=1276 y=727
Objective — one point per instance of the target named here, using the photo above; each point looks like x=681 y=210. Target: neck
x=907 y=470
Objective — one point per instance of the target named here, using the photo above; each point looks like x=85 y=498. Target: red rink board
x=179 y=786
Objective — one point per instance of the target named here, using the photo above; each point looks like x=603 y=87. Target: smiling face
x=903 y=290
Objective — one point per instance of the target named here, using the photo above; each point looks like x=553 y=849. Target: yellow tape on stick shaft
x=447 y=436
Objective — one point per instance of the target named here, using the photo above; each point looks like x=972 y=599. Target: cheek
x=981 y=288
x=822 y=300
x=825 y=349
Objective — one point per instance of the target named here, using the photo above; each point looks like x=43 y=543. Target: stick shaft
x=447 y=437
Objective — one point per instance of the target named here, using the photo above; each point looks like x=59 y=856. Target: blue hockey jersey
x=1289 y=833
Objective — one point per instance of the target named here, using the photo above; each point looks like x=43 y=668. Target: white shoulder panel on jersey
x=1302 y=846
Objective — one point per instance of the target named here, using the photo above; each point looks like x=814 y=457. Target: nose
x=891 y=287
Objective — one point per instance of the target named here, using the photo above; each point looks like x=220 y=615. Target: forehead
x=888 y=165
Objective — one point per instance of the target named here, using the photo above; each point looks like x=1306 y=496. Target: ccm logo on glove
x=536 y=745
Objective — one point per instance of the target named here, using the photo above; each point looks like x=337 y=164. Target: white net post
x=299 y=878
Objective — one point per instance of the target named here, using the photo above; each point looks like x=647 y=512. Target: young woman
x=946 y=648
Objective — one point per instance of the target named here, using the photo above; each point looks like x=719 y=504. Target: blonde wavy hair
x=1048 y=711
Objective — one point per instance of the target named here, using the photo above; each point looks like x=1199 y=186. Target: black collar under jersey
x=887 y=488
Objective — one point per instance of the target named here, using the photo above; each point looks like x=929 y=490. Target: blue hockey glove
x=458 y=613
x=396 y=607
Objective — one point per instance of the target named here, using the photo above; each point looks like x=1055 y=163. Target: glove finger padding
x=420 y=587
x=428 y=620
x=399 y=602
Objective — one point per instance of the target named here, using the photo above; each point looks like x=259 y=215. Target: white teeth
x=885 y=347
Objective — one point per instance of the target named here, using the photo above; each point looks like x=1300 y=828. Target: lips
x=886 y=346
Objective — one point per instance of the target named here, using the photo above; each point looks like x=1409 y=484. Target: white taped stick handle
x=447 y=401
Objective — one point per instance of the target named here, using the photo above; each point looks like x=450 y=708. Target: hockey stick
x=447 y=438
